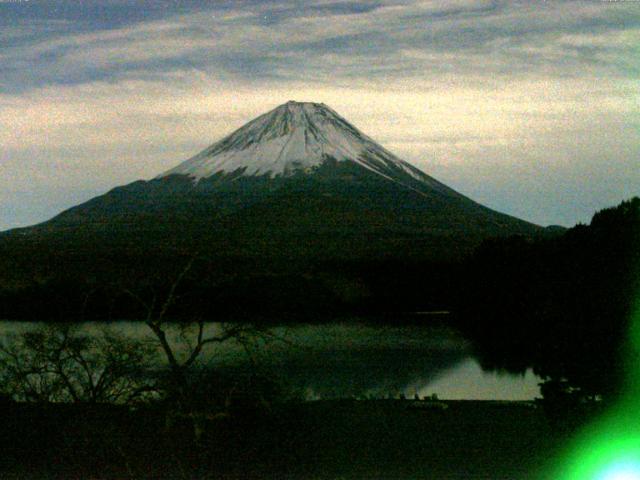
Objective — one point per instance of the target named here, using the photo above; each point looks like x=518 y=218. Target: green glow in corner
x=609 y=449
x=621 y=471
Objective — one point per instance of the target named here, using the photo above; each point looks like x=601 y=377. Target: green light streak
x=609 y=449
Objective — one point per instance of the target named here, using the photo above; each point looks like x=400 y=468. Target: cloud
x=385 y=41
x=496 y=98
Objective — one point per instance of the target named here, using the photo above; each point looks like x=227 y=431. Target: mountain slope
x=300 y=167
x=295 y=211
x=297 y=138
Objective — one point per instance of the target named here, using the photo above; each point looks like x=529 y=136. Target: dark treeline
x=561 y=305
x=98 y=286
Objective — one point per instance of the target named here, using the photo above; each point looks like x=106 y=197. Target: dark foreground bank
x=396 y=439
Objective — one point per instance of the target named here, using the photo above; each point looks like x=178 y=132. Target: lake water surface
x=351 y=359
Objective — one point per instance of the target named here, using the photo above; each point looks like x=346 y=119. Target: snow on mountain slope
x=299 y=169
x=296 y=137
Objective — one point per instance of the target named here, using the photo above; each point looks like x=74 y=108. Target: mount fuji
x=296 y=211
x=299 y=180
x=298 y=138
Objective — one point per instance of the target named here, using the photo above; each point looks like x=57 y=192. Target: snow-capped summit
x=292 y=138
x=298 y=180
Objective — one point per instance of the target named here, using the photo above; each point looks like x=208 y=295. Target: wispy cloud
x=384 y=41
x=496 y=98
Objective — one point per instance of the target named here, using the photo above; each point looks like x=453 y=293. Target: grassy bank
x=399 y=439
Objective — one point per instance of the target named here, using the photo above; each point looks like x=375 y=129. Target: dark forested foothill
x=561 y=305
x=92 y=281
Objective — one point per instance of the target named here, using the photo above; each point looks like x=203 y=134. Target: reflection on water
x=468 y=381
x=350 y=359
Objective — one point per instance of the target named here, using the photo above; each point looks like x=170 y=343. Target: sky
x=531 y=108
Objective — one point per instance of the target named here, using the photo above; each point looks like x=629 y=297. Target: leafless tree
x=194 y=337
x=61 y=363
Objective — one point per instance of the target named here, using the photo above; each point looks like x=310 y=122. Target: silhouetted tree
x=183 y=381
x=61 y=363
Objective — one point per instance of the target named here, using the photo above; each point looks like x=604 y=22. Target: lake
x=352 y=360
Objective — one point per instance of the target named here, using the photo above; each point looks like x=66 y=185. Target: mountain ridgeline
x=299 y=172
x=294 y=205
